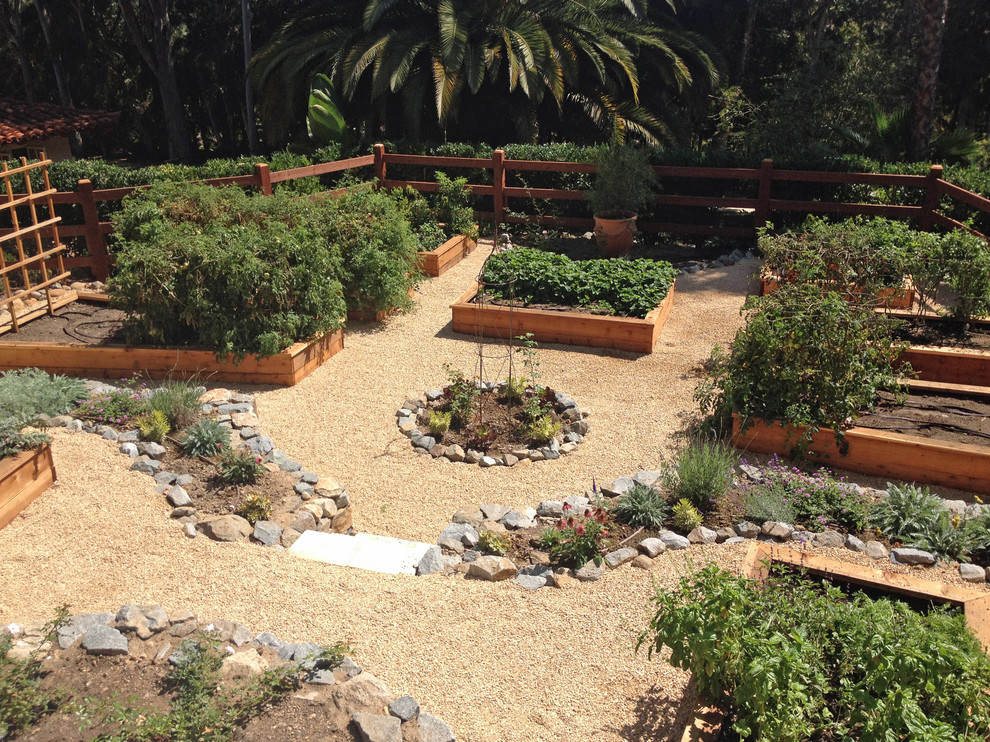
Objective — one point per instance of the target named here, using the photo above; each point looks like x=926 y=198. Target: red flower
x=579 y=530
x=587 y=513
x=567 y=506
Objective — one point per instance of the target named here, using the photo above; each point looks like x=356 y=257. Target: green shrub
x=624 y=182
x=701 y=473
x=966 y=262
x=806 y=359
x=641 y=507
x=906 y=512
x=254 y=508
x=548 y=538
x=453 y=206
x=27 y=393
x=490 y=542
x=214 y=267
x=239 y=466
x=580 y=538
x=947 y=537
x=629 y=288
x=542 y=430
x=796 y=662
x=205 y=437
x=459 y=396
x=766 y=503
x=178 y=400
x=13 y=441
x=24 y=695
x=686 y=516
x=439 y=422
x=120 y=407
x=154 y=426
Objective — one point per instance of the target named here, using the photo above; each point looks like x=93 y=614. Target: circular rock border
x=575 y=429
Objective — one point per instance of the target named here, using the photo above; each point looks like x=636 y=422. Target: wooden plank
x=436 y=262
x=22 y=479
x=879 y=453
x=430 y=161
x=706 y=726
x=919 y=386
x=948 y=365
x=831 y=207
x=977 y=613
x=424 y=186
x=961 y=194
x=880 y=179
x=115 y=361
x=550 y=166
x=944 y=221
x=57 y=302
x=325 y=168
x=572 y=328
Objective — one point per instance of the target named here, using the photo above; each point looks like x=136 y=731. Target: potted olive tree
x=625 y=184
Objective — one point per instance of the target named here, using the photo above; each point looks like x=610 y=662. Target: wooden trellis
x=17 y=263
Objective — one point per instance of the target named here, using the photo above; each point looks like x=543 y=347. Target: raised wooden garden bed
x=361 y=315
x=879 y=453
x=975 y=604
x=949 y=365
x=450 y=253
x=890 y=297
x=22 y=478
x=571 y=328
x=287 y=368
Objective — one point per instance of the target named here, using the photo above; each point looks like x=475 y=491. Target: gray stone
x=184 y=653
x=802 y=537
x=303 y=520
x=536 y=455
x=647 y=478
x=451 y=544
x=226 y=528
x=702 y=535
x=74 y=425
x=495 y=512
x=578 y=503
x=377 y=728
x=550 y=509
x=248 y=433
x=68 y=633
x=568 y=448
x=267 y=532
x=956 y=507
x=855 y=544
x=471 y=516
x=734 y=540
x=104 y=640
x=673 y=540
x=109 y=434
x=425 y=442
x=431 y=562
x=620 y=556
x=454 y=453
x=876 y=550
x=260 y=445
x=145 y=466
x=301 y=488
x=463 y=532
x=431 y=729
x=229 y=409
x=829 y=539
x=912 y=556
x=165 y=477
x=972 y=573
x=753 y=472
x=363 y=691
x=778 y=531
x=182 y=512
x=747 y=529
x=487 y=461
x=178 y=497
x=249 y=398
x=573 y=438
x=590 y=572
x=267 y=639
x=493 y=568
x=144 y=620
x=652 y=546
x=60 y=421
x=183 y=479
x=349 y=667
x=724 y=534
x=152 y=449
x=549 y=454
x=129 y=449
x=321 y=677
x=515 y=519
x=128 y=436
x=564 y=401
x=404 y=708
x=531 y=582
x=309 y=477
x=189 y=529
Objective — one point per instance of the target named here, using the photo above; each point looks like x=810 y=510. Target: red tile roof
x=23 y=122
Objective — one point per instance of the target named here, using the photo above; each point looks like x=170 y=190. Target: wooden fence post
x=263 y=176
x=762 y=214
x=498 y=181
x=379 y=150
x=927 y=219
x=95 y=245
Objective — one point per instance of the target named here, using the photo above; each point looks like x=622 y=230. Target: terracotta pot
x=614 y=231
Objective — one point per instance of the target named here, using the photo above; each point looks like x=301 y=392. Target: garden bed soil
x=944 y=332
x=940 y=418
x=23 y=477
x=85 y=339
x=560 y=324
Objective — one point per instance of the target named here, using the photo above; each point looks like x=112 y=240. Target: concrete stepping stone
x=362 y=551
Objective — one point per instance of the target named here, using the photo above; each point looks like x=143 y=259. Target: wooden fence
x=756 y=210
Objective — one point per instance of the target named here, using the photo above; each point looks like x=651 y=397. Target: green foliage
x=459 y=395
x=947 y=537
x=686 y=516
x=641 y=507
x=701 y=473
x=542 y=430
x=548 y=539
x=804 y=358
x=203 y=708
x=324 y=121
x=481 y=437
x=515 y=388
x=154 y=426
x=794 y=661
x=24 y=697
x=214 y=267
x=205 y=437
x=120 y=407
x=627 y=288
x=27 y=393
x=239 y=466
x=624 y=182
x=966 y=261
x=13 y=441
x=580 y=539
x=178 y=400
x=453 y=206
x=439 y=422
x=255 y=507
x=789 y=495
x=907 y=511
x=491 y=542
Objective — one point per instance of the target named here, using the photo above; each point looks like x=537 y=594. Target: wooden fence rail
x=758 y=209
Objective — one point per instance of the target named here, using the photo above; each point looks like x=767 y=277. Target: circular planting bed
x=493 y=424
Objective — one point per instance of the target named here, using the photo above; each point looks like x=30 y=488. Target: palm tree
x=457 y=66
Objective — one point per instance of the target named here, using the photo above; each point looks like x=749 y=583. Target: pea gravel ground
x=497 y=663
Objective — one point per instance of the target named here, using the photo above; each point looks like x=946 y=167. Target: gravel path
x=497 y=663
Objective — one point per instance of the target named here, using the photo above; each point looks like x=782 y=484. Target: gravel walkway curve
x=497 y=663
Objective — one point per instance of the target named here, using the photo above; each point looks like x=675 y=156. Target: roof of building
x=21 y=121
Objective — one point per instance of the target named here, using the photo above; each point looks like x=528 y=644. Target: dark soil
x=502 y=417
x=546 y=307
x=212 y=496
x=953 y=419
x=945 y=332
x=89 y=323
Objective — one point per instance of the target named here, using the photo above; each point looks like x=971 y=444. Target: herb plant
x=685 y=516
x=119 y=407
x=205 y=437
x=624 y=182
x=240 y=466
x=641 y=506
x=491 y=542
x=581 y=539
x=255 y=507
x=29 y=392
x=701 y=473
x=439 y=422
x=154 y=426
x=178 y=399
x=906 y=512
